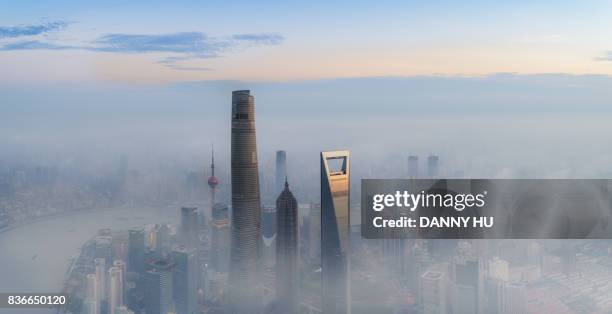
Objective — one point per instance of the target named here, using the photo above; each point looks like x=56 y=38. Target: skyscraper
x=103 y=248
x=268 y=235
x=121 y=265
x=314 y=234
x=92 y=295
x=286 y=251
x=185 y=277
x=246 y=211
x=515 y=298
x=100 y=267
x=335 y=228
x=136 y=250
x=158 y=288
x=162 y=238
x=413 y=167
x=281 y=171
x=189 y=226
x=220 y=238
x=433 y=287
x=433 y=166
x=469 y=284
x=115 y=288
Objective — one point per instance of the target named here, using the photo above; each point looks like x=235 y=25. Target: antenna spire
x=212 y=165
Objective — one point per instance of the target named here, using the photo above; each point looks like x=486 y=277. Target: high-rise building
x=162 y=238
x=103 y=248
x=220 y=238
x=468 y=296
x=185 y=278
x=268 y=235
x=281 y=171
x=314 y=234
x=158 y=298
x=494 y=294
x=136 y=250
x=246 y=210
x=115 y=289
x=304 y=239
x=286 y=252
x=121 y=265
x=433 y=166
x=335 y=229
x=188 y=234
x=92 y=296
x=433 y=292
x=393 y=251
x=514 y=300
x=413 y=167
x=100 y=267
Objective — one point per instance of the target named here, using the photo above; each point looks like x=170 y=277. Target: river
x=35 y=257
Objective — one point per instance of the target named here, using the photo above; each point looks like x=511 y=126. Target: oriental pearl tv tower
x=212 y=180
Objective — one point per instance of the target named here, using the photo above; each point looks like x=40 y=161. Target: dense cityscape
x=235 y=249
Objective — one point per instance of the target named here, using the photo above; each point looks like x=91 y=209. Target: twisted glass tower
x=246 y=211
x=335 y=192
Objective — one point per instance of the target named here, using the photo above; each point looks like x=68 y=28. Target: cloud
x=187 y=68
x=189 y=42
x=172 y=62
x=34 y=45
x=263 y=39
x=606 y=57
x=30 y=30
x=180 y=46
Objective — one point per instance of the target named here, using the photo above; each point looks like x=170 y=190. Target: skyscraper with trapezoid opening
x=335 y=224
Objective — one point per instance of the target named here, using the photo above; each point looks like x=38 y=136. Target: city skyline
x=432 y=276
x=220 y=157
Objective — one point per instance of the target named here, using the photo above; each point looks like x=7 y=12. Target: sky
x=161 y=42
x=494 y=88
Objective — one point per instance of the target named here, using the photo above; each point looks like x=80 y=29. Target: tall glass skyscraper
x=189 y=226
x=100 y=267
x=115 y=289
x=246 y=211
x=136 y=250
x=158 y=298
x=281 y=171
x=413 y=167
x=433 y=166
x=220 y=238
x=268 y=236
x=92 y=295
x=185 y=277
x=335 y=224
x=286 y=252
